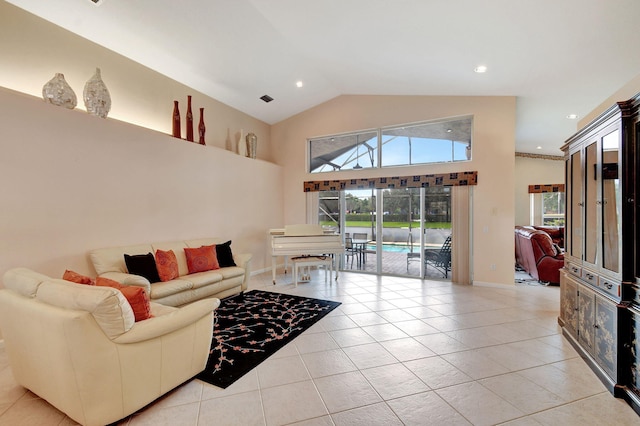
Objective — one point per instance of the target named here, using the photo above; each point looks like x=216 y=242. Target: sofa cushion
x=164 y=289
x=108 y=306
x=231 y=272
x=201 y=259
x=178 y=249
x=24 y=281
x=167 y=265
x=224 y=254
x=201 y=279
x=77 y=278
x=111 y=259
x=143 y=265
x=136 y=296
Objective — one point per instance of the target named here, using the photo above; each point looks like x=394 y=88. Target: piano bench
x=307 y=261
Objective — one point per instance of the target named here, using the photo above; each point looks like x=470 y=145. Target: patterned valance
x=538 y=189
x=415 y=181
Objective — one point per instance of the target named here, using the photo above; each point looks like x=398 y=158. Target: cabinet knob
x=595 y=326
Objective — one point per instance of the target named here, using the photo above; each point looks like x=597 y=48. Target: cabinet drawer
x=574 y=270
x=610 y=287
x=590 y=277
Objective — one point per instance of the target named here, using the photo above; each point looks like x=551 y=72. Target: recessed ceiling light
x=572 y=116
x=480 y=69
x=449 y=130
x=299 y=84
x=538 y=147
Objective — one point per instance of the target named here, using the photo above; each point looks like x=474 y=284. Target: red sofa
x=537 y=254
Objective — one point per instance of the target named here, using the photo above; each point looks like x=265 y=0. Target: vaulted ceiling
x=556 y=57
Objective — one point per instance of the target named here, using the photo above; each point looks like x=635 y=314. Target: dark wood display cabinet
x=599 y=296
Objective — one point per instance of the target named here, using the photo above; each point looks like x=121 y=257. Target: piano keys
x=300 y=240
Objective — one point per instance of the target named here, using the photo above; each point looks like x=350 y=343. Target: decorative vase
x=189 y=120
x=58 y=92
x=252 y=145
x=176 y=121
x=242 y=145
x=96 y=96
x=201 y=128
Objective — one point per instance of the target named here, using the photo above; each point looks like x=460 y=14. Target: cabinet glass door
x=575 y=208
x=590 y=204
x=610 y=202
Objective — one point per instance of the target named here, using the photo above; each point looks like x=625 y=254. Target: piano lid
x=302 y=230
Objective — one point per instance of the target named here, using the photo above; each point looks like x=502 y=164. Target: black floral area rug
x=251 y=327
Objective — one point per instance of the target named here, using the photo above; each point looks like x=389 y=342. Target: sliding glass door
x=404 y=232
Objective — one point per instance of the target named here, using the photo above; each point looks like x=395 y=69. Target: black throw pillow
x=224 y=255
x=143 y=265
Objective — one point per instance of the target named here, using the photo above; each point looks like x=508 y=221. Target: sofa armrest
x=129 y=279
x=243 y=260
x=165 y=324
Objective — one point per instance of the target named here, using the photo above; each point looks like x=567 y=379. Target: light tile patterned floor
x=397 y=351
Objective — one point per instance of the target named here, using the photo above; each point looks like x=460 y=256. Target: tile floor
x=397 y=351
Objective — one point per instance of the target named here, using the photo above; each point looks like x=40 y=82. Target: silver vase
x=58 y=92
x=96 y=96
x=252 y=145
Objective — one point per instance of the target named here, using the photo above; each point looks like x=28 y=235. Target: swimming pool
x=395 y=248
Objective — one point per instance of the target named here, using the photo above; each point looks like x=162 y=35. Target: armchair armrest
x=165 y=324
x=129 y=279
x=243 y=260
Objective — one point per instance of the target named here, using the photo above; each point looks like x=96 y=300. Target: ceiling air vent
x=97 y=2
x=266 y=98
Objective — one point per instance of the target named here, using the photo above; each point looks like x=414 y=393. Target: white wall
x=533 y=171
x=71 y=182
x=32 y=50
x=493 y=158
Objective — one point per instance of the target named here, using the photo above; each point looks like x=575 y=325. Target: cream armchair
x=78 y=346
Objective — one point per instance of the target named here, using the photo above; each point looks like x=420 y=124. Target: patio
x=393 y=263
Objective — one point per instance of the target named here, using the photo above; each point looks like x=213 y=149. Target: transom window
x=439 y=141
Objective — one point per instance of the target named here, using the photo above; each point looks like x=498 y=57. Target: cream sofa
x=220 y=283
x=78 y=347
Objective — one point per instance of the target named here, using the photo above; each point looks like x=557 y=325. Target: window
x=446 y=140
x=553 y=209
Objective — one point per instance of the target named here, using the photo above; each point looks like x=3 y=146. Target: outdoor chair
x=439 y=259
x=350 y=250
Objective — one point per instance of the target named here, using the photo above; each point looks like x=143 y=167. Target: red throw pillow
x=201 y=259
x=136 y=296
x=77 y=278
x=167 y=265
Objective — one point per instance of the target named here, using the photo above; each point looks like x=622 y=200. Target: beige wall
x=493 y=158
x=73 y=182
x=32 y=50
x=533 y=171
x=627 y=91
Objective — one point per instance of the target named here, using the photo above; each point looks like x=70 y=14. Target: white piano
x=300 y=240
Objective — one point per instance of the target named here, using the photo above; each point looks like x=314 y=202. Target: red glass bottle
x=201 y=128
x=189 y=120
x=176 y=120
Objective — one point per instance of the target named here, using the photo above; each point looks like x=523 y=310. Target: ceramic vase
x=252 y=145
x=201 y=128
x=58 y=92
x=176 y=120
x=242 y=146
x=96 y=96
x=189 y=120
